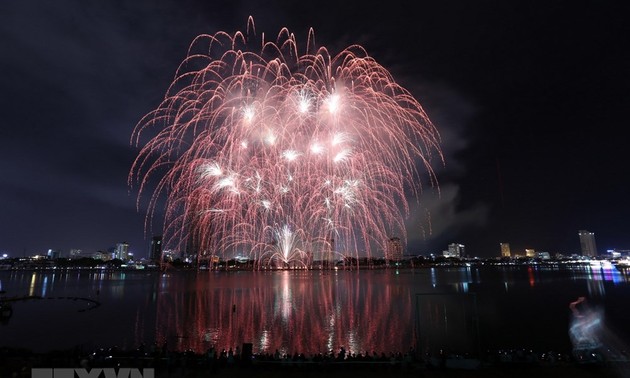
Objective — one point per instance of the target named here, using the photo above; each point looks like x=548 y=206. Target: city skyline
x=394 y=250
x=529 y=101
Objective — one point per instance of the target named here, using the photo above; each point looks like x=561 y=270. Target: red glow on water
x=296 y=317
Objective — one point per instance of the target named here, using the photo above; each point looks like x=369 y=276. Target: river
x=463 y=309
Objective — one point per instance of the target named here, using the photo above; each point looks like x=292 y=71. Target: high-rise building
x=455 y=250
x=505 y=250
x=156 y=248
x=587 y=243
x=330 y=250
x=394 y=251
x=122 y=251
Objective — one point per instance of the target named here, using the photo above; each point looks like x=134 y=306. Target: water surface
x=459 y=308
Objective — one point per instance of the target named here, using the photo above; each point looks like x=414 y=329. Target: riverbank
x=18 y=363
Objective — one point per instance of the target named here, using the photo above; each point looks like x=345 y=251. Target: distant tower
x=122 y=251
x=394 y=251
x=455 y=250
x=156 y=248
x=587 y=243
x=505 y=250
x=53 y=254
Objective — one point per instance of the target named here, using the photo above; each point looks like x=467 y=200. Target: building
x=329 y=250
x=53 y=254
x=505 y=250
x=455 y=250
x=587 y=243
x=101 y=255
x=616 y=253
x=156 y=249
x=122 y=251
x=529 y=252
x=394 y=251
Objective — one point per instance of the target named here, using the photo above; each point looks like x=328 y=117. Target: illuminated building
x=122 y=251
x=328 y=250
x=587 y=243
x=530 y=252
x=505 y=249
x=53 y=254
x=156 y=248
x=100 y=255
x=394 y=250
x=454 y=250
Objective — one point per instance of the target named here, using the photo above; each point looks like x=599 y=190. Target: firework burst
x=281 y=156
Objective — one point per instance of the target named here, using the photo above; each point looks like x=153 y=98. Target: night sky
x=530 y=99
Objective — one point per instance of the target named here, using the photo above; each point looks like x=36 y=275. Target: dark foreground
x=514 y=364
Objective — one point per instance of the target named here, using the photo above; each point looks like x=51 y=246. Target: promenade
x=18 y=364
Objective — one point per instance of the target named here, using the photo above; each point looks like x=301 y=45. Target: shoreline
x=143 y=267
x=166 y=363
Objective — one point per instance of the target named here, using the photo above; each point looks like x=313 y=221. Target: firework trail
x=282 y=156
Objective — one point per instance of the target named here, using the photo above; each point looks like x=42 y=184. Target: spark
x=290 y=155
x=333 y=103
x=317 y=148
x=258 y=145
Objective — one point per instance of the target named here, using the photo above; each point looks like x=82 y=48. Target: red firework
x=281 y=156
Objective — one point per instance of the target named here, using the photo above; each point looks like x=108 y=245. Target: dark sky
x=530 y=98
